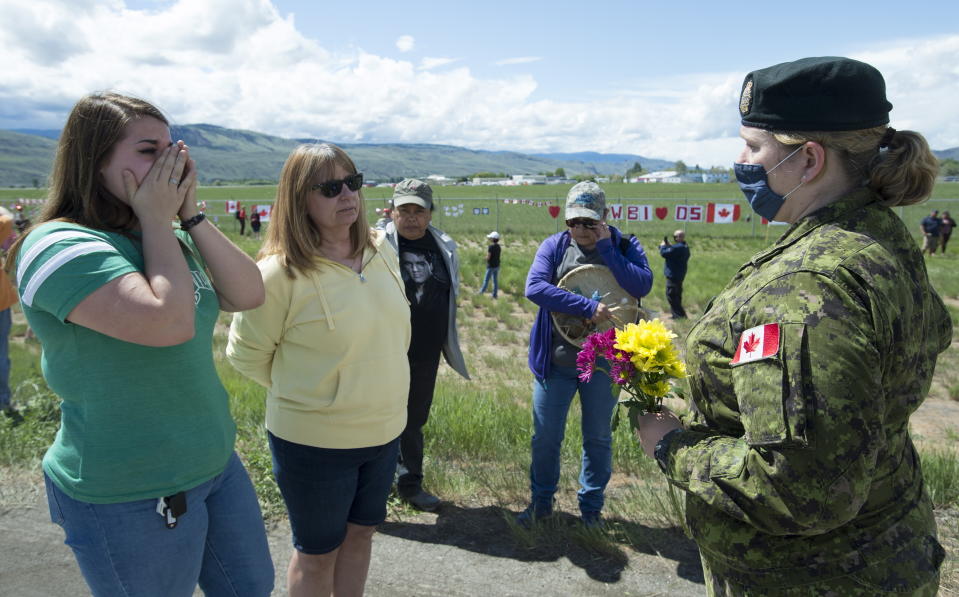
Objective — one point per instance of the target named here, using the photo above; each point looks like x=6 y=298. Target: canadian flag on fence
x=760 y=342
x=231 y=207
x=264 y=211
x=722 y=213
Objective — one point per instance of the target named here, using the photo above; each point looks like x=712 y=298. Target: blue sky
x=656 y=79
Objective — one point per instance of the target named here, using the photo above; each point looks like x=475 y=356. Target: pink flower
x=598 y=344
x=585 y=361
x=622 y=371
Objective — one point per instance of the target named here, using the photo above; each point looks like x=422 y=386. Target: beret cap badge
x=746 y=98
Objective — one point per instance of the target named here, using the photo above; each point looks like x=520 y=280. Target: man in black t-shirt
x=492 y=263
x=430 y=269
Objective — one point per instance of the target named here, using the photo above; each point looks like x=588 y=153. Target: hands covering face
x=167 y=189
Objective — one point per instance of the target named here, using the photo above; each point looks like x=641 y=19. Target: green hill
x=240 y=156
x=25 y=160
x=232 y=155
x=947 y=154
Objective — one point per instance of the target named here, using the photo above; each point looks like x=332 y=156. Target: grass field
x=479 y=431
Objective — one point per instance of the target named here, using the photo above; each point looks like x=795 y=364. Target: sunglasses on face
x=585 y=223
x=333 y=188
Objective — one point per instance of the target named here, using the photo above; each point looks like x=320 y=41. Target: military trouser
x=876 y=580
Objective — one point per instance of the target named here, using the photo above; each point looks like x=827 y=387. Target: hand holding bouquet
x=642 y=361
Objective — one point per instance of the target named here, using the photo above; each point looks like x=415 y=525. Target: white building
x=661 y=176
x=439 y=179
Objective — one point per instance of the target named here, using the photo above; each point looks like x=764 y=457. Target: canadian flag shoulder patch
x=755 y=344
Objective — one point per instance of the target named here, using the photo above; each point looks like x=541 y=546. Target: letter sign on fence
x=689 y=213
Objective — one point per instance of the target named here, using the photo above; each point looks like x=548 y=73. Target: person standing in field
x=588 y=239
x=930 y=228
x=431 y=272
x=255 y=223
x=329 y=344
x=8 y=298
x=674 y=270
x=492 y=263
x=241 y=218
x=795 y=456
x=142 y=475
x=946 y=224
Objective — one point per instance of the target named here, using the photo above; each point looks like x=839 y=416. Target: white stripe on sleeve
x=42 y=244
x=64 y=256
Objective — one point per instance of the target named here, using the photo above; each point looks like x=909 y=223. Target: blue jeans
x=491 y=273
x=126 y=548
x=5 y=358
x=551 y=400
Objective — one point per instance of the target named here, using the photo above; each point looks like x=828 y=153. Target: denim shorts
x=127 y=549
x=326 y=488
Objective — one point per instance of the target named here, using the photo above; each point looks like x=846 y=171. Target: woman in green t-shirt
x=142 y=475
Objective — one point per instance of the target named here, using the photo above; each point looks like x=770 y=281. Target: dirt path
x=458 y=552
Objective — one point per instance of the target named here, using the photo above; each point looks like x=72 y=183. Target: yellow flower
x=650 y=347
x=659 y=388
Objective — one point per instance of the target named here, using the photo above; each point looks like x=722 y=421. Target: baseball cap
x=585 y=200
x=411 y=190
x=494 y=234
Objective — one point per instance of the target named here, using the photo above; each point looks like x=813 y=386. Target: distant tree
x=36 y=183
x=949 y=167
x=636 y=170
x=561 y=172
x=680 y=167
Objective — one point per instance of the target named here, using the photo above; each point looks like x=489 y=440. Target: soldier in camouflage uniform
x=795 y=455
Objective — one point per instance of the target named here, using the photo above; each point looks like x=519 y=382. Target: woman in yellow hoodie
x=329 y=344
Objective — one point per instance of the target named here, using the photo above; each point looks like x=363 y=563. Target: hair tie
x=887 y=137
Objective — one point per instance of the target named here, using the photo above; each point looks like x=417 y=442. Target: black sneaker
x=421 y=500
x=592 y=520
x=533 y=514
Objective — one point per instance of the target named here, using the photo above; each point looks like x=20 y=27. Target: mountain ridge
x=238 y=155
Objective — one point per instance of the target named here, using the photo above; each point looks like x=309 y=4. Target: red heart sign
x=661 y=212
x=554 y=210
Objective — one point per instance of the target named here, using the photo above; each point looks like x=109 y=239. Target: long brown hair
x=76 y=191
x=902 y=173
x=292 y=233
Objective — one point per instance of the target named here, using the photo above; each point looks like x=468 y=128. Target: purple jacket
x=630 y=270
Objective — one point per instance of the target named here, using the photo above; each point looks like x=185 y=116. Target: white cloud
x=431 y=63
x=244 y=66
x=405 y=43
x=518 y=60
x=922 y=82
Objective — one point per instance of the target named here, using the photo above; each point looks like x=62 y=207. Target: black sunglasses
x=584 y=222
x=332 y=188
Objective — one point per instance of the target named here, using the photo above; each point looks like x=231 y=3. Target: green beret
x=815 y=94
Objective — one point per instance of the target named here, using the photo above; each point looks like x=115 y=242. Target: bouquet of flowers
x=642 y=361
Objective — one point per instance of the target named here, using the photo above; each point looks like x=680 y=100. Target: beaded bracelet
x=187 y=224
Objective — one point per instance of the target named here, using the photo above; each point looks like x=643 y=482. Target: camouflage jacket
x=796 y=461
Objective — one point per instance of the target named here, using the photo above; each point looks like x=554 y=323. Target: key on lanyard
x=172 y=507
